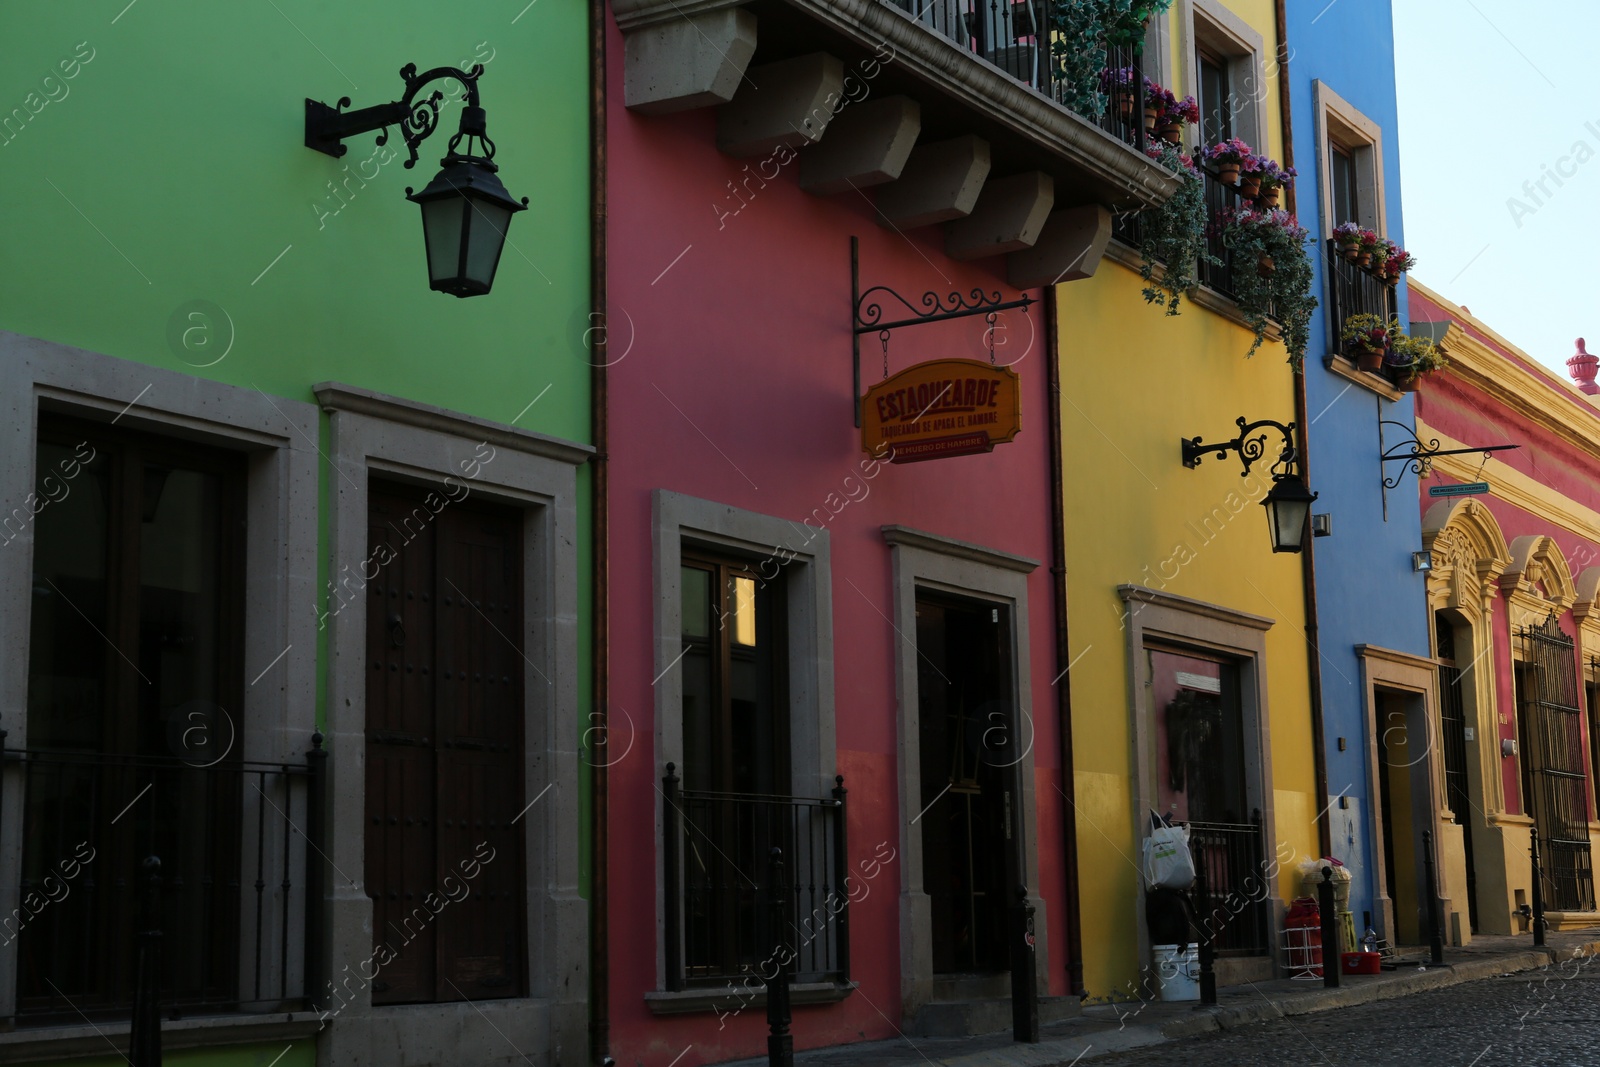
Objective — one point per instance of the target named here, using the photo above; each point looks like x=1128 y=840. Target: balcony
x=1217 y=272
x=718 y=872
x=948 y=106
x=237 y=916
x=1354 y=290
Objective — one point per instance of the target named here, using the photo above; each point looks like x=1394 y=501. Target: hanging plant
x=1272 y=277
x=1409 y=358
x=1172 y=236
x=1082 y=30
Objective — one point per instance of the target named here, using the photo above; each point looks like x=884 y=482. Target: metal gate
x=1553 y=765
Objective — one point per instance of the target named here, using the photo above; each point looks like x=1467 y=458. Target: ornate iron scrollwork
x=1251 y=447
x=327 y=127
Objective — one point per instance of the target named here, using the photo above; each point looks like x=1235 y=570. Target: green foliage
x=1284 y=294
x=1410 y=356
x=1083 y=29
x=1173 y=234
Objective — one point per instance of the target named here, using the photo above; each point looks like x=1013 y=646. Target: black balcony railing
x=1015 y=36
x=1237 y=886
x=717 y=864
x=237 y=919
x=1353 y=290
x=1222 y=198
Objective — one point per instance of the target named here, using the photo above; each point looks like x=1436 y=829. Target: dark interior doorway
x=968 y=745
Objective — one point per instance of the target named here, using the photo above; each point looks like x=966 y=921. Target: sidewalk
x=1108 y=1028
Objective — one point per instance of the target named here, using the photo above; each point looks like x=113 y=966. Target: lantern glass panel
x=487 y=224
x=442 y=228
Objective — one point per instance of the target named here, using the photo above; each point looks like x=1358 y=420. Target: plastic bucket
x=1177 y=972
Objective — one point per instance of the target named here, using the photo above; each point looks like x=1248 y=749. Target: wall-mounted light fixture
x=1422 y=562
x=465 y=208
x=1288 y=503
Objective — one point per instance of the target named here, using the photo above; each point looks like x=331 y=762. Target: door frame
x=944 y=565
x=404 y=441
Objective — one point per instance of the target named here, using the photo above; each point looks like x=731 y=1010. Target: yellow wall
x=1133 y=382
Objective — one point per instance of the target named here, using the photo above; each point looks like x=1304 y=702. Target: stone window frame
x=801 y=553
x=371 y=434
x=1339 y=122
x=927 y=561
x=1208 y=24
x=278 y=439
x=1180 y=622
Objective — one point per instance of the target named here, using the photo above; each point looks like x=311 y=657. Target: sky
x=1496 y=95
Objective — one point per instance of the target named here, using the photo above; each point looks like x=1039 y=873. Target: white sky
x=1492 y=93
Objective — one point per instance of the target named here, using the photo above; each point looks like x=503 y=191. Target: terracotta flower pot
x=1265 y=267
x=1125 y=106
x=1364 y=259
x=1409 y=383
x=1367 y=359
x=1269 y=197
x=1229 y=173
x=1172 y=132
x=1351 y=250
x=1250 y=186
x=1150 y=120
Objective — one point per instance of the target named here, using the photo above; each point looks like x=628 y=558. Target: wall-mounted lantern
x=1288 y=503
x=465 y=209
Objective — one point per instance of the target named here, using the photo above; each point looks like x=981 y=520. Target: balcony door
x=134 y=689
x=444 y=750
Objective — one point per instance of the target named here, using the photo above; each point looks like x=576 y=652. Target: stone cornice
x=949 y=546
x=1157 y=598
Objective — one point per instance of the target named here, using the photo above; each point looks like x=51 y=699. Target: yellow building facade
x=1190 y=681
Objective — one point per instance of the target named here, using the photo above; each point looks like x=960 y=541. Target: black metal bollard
x=780 y=1043
x=1538 y=888
x=1330 y=930
x=144 y=1042
x=1024 y=978
x=1435 y=939
x=1203 y=922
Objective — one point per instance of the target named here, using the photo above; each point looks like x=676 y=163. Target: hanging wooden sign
x=945 y=407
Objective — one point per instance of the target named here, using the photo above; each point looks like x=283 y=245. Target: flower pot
x=1269 y=197
x=1171 y=132
x=1351 y=250
x=1367 y=359
x=1265 y=267
x=1250 y=186
x=1228 y=173
x=1150 y=120
x=1364 y=259
x=1124 y=104
x=1408 y=383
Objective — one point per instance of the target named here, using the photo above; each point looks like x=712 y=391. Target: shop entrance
x=969 y=749
x=1453 y=724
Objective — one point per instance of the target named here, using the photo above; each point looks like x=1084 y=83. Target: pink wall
x=1468 y=415
x=733 y=384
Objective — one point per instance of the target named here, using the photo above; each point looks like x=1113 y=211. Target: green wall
x=169 y=168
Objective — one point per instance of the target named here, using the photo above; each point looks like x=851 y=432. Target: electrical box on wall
x=1508 y=747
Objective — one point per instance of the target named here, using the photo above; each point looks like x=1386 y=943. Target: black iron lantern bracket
x=1417 y=458
x=1250 y=445
x=327 y=127
x=867 y=311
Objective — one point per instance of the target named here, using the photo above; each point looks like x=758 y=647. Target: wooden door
x=444 y=747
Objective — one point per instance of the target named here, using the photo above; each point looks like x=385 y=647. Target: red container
x=1360 y=963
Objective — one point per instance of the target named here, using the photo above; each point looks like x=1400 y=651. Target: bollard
x=1330 y=931
x=1203 y=917
x=1024 y=978
x=780 y=1043
x=1538 y=888
x=144 y=1042
x=1435 y=940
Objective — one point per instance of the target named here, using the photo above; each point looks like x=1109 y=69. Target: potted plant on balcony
x=1368 y=249
x=1230 y=157
x=1080 y=30
x=1172 y=241
x=1119 y=83
x=1410 y=358
x=1273 y=180
x=1395 y=262
x=1348 y=237
x=1176 y=114
x=1279 y=288
x=1366 y=339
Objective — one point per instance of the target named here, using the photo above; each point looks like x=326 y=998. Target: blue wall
x=1367 y=592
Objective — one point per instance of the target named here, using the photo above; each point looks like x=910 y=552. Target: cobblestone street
x=1547 y=1017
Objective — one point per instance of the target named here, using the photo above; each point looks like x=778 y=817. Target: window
x=744 y=704
x=1216 y=110
x=444 y=747
x=1342 y=166
x=1227 y=77
x=134 y=698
